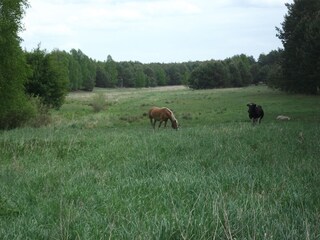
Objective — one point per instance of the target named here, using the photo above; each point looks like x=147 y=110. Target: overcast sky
x=155 y=30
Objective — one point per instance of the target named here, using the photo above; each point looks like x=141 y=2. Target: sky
x=163 y=31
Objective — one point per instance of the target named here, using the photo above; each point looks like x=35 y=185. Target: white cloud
x=154 y=30
x=263 y=3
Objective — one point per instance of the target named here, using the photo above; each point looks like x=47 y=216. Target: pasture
x=108 y=175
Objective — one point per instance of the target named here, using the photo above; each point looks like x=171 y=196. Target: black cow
x=255 y=112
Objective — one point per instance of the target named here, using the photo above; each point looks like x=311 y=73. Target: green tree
x=151 y=77
x=15 y=109
x=140 y=77
x=263 y=73
x=102 y=78
x=59 y=78
x=184 y=73
x=174 y=75
x=211 y=74
x=87 y=69
x=270 y=68
x=112 y=71
x=49 y=79
x=160 y=75
x=74 y=71
x=300 y=36
x=243 y=64
x=126 y=74
x=235 y=76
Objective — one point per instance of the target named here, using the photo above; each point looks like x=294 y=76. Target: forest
x=80 y=72
x=39 y=80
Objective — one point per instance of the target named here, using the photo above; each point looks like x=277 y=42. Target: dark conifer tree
x=15 y=109
x=300 y=35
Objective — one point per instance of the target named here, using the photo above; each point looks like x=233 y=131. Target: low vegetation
x=107 y=175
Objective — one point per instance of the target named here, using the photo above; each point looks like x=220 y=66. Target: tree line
x=31 y=82
x=79 y=72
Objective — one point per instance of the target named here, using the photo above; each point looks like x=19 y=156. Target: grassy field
x=108 y=175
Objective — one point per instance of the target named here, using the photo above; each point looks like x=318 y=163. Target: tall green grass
x=218 y=177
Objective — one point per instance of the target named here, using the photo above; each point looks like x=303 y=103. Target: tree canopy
x=300 y=35
x=49 y=79
x=15 y=108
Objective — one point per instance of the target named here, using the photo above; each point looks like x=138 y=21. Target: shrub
x=99 y=102
x=42 y=116
x=15 y=112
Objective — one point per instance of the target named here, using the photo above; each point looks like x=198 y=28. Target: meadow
x=107 y=175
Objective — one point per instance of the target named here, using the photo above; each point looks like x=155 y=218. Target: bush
x=99 y=102
x=42 y=116
x=15 y=112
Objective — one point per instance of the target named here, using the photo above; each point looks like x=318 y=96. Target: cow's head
x=252 y=108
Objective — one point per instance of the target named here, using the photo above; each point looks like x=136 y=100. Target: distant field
x=108 y=175
x=201 y=107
